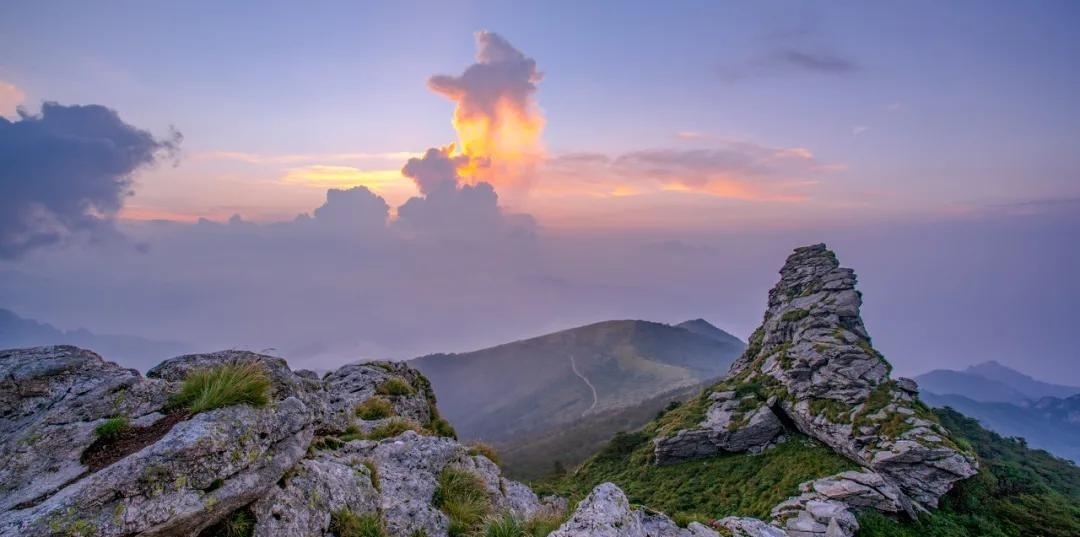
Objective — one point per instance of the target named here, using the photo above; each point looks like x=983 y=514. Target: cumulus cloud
x=450 y=206
x=355 y=209
x=68 y=170
x=10 y=98
x=497 y=120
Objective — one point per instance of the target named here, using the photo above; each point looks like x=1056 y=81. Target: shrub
x=480 y=448
x=112 y=428
x=224 y=385
x=394 y=386
x=238 y=524
x=794 y=315
x=461 y=495
x=392 y=428
x=375 y=408
x=347 y=523
x=504 y=525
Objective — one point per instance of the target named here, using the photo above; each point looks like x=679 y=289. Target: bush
x=461 y=495
x=394 y=386
x=112 y=428
x=392 y=428
x=347 y=523
x=480 y=448
x=375 y=408
x=224 y=385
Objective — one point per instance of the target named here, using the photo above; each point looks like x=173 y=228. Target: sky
x=190 y=171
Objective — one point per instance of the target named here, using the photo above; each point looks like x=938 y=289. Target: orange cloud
x=10 y=99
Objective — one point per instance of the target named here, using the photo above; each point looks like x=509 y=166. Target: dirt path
x=573 y=365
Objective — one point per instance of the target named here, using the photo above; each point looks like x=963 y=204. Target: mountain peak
x=811 y=367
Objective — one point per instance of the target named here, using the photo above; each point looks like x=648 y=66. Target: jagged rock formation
x=811 y=367
x=290 y=464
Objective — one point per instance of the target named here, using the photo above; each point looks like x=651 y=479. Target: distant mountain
x=130 y=351
x=1052 y=424
x=991 y=382
x=1046 y=415
x=530 y=387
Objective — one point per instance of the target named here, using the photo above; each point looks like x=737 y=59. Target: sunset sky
x=928 y=138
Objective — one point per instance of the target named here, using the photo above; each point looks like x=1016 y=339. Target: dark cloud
x=356 y=209
x=822 y=62
x=448 y=206
x=501 y=74
x=68 y=170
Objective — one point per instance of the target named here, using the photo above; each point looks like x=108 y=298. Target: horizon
x=342 y=182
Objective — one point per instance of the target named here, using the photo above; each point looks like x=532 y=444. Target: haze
x=342 y=181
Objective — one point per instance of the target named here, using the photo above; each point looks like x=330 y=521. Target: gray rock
x=750 y=527
x=605 y=512
x=725 y=429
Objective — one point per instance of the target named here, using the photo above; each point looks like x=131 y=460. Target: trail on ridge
x=573 y=365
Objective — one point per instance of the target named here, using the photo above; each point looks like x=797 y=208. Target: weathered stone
x=725 y=429
x=605 y=512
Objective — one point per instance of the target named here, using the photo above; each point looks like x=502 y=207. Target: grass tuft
x=394 y=386
x=504 y=525
x=487 y=450
x=462 y=496
x=392 y=428
x=112 y=428
x=347 y=523
x=375 y=408
x=224 y=385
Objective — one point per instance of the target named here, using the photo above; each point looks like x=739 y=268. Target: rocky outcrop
x=606 y=512
x=727 y=428
x=811 y=367
x=288 y=466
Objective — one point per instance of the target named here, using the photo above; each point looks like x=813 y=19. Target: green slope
x=529 y=387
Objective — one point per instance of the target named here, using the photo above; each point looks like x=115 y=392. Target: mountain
x=1052 y=424
x=538 y=385
x=133 y=351
x=809 y=436
x=1045 y=415
x=991 y=382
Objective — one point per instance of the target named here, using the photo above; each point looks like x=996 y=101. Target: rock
x=726 y=428
x=605 y=512
x=813 y=357
x=860 y=489
x=196 y=470
x=750 y=527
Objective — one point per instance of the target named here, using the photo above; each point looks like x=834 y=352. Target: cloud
x=300 y=158
x=10 y=98
x=450 y=206
x=68 y=170
x=735 y=170
x=353 y=210
x=819 y=61
x=859 y=129
x=691 y=135
x=498 y=122
x=799 y=48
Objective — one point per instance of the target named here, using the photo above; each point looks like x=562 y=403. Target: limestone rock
x=728 y=427
x=750 y=527
x=605 y=512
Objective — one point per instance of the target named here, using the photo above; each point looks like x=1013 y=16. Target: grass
x=504 y=525
x=238 y=524
x=222 y=386
x=375 y=408
x=112 y=428
x=731 y=484
x=373 y=472
x=347 y=523
x=394 y=386
x=462 y=496
x=542 y=525
x=794 y=315
x=440 y=426
x=480 y=448
x=392 y=428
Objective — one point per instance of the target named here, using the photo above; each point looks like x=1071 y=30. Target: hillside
x=16 y=331
x=809 y=436
x=992 y=382
x=531 y=387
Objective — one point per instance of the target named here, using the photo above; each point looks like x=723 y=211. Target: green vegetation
x=112 y=428
x=734 y=484
x=832 y=409
x=1017 y=492
x=392 y=428
x=480 y=448
x=441 y=427
x=394 y=386
x=347 y=523
x=506 y=525
x=375 y=408
x=239 y=523
x=794 y=315
x=461 y=495
x=224 y=385
x=373 y=472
